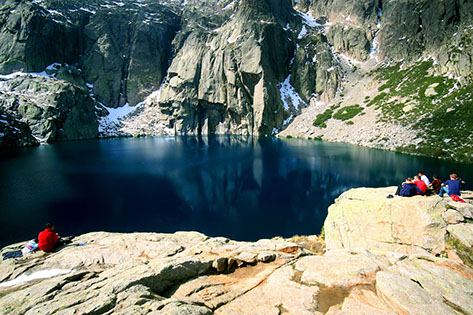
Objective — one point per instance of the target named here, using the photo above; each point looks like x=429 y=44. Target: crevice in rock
x=417 y=282
x=123 y=96
x=456 y=307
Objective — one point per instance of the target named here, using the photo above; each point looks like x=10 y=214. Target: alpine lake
x=243 y=188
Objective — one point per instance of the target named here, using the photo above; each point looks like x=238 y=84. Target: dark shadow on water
x=121 y=203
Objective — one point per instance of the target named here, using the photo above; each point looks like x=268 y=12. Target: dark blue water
x=239 y=187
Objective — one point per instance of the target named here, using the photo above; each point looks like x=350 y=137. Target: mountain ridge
x=251 y=67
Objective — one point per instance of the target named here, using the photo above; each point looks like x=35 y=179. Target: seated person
x=421 y=184
x=424 y=178
x=408 y=189
x=436 y=184
x=451 y=186
x=48 y=239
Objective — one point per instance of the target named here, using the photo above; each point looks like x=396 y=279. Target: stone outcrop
x=224 y=78
x=190 y=273
x=56 y=107
x=365 y=218
x=14 y=133
x=143 y=272
x=397 y=224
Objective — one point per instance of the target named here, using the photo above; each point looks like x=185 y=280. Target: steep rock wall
x=247 y=66
x=224 y=78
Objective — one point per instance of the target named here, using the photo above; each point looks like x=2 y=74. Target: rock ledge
x=384 y=256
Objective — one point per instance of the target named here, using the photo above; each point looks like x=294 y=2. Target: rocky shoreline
x=382 y=256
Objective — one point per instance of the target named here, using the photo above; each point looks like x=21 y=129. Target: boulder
x=430 y=91
x=246 y=258
x=465 y=209
x=266 y=257
x=54 y=109
x=462 y=232
x=365 y=218
x=452 y=217
x=220 y=264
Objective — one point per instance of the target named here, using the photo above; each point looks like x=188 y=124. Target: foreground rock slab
x=190 y=273
x=365 y=218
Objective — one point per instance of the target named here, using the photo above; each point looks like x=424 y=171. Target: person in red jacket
x=48 y=239
x=421 y=184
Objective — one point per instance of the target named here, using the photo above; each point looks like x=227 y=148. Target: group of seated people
x=420 y=185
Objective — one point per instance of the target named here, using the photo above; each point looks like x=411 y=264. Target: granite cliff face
x=308 y=68
x=383 y=256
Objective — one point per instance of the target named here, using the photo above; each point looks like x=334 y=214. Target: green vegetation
x=322 y=118
x=378 y=98
x=437 y=106
x=464 y=252
x=349 y=123
x=344 y=113
x=348 y=112
x=336 y=106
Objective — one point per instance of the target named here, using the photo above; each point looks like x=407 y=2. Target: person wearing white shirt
x=424 y=178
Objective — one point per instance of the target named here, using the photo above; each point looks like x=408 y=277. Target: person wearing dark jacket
x=451 y=186
x=48 y=239
x=408 y=189
x=436 y=184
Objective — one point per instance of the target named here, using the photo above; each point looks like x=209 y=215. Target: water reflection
x=241 y=187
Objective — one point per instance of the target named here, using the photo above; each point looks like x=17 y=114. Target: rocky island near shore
x=382 y=256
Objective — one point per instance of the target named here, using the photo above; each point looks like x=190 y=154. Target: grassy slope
x=436 y=106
